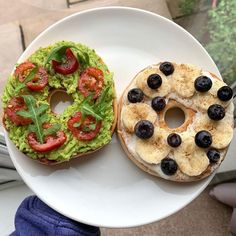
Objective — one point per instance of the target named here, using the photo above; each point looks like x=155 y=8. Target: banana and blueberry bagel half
x=149 y=108
x=63 y=73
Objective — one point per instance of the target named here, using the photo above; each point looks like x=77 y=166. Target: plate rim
x=41 y=196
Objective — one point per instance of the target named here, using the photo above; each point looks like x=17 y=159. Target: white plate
x=108 y=189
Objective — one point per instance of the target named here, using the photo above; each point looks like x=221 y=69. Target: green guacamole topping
x=73 y=146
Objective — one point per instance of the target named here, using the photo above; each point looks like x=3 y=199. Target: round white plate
x=108 y=189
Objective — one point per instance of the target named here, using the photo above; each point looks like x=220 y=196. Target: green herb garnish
x=89 y=127
x=28 y=78
x=83 y=58
x=95 y=109
x=52 y=130
x=34 y=113
x=58 y=54
x=38 y=116
x=76 y=124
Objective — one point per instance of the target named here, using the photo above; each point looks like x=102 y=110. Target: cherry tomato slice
x=23 y=70
x=51 y=141
x=91 y=81
x=14 y=105
x=68 y=66
x=88 y=128
x=40 y=81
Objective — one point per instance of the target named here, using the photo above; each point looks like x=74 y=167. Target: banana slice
x=135 y=112
x=221 y=131
x=141 y=81
x=155 y=149
x=183 y=79
x=191 y=160
x=204 y=100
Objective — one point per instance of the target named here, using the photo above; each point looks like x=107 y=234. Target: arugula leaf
x=52 y=130
x=92 y=126
x=95 y=109
x=19 y=87
x=76 y=124
x=32 y=128
x=41 y=109
x=87 y=109
x=24 y=113
x=57 y=54
x=34 y=113
x=28 y=78
x=44 y=117
x=83 y=58
x=31 y=104
x=89 y=127
x=100 y=103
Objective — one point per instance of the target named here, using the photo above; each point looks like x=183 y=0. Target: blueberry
x=203 y=139
x=154 y=81
x=135 y=95
x=203 y=84
x=216 y=112
x=169 y=166
x=167 y=68
x=144 y=129
x=158 y=103
x=213 y=155
x=225 y=93
x=174 y=140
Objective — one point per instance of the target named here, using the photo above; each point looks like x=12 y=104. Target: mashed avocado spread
x=72 y=146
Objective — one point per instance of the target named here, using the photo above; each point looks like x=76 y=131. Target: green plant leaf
x=57 y=54
x=24 y=113
x=89 y=127
x=95 y=109
x=19 y=87
x=41 y=109
x=187 y=6
x=35 y=113
x=101 y=102
x=83 y=58
x=52 y=130
x=32 y=128
x=31 y=104
x=76 y=124
x=44 y=117
x=87 y=109
x=221 y=44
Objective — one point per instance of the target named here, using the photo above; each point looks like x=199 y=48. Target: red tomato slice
x=87 y=128
x=91 y=81
x=14 y=105
x=40 y=81
x=23 y=70
x=68 y=66
x=51 y=142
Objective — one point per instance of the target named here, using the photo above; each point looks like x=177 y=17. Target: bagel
x=83 y=127
x=194 y=149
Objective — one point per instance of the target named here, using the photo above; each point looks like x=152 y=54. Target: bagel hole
x=174 y=117
x=59 y=101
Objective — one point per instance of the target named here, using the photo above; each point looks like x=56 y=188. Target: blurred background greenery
x=217 y=32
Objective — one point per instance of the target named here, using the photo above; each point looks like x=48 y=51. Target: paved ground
x=204 y=216
x=21 y=22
